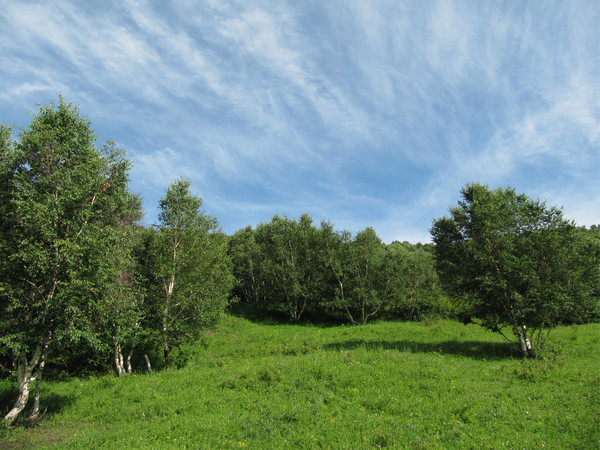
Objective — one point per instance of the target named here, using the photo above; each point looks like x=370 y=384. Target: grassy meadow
x=432 y=384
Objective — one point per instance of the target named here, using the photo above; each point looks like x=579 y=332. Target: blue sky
x=364 y=113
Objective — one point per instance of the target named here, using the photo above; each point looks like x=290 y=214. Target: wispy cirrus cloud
x=367 y=114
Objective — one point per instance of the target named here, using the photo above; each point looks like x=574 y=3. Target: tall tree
x=192 y=265
x=514 y=260
x=62 y=195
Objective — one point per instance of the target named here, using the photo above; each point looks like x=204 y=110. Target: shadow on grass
x=50 y=403
x=254 y=314
x=471 y=349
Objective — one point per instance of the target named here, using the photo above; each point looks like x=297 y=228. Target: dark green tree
x=123 y=307
x=514 y=261
x=291 y=264
x=588 y=283
x=61 y=196
x=337 y=270
x=414 y=284
x=247 y=261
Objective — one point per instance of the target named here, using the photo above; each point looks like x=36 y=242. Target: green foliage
x=366 y=276
x=293 y=267
x=245 y=255
x=190 y=265
x=290 y=263
x=434 y=384
x=587 y=245
x=516 y=263
x=62 y=198
x=414 y=284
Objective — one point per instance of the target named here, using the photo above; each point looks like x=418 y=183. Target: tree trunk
x=349 y=314
x=168 y=293
x=119 y=365
x=526 y=347
x=148 y=363
x=35 y=412
x=24 y=378
x=129 y=368
x=165 y=342
x=132 y=348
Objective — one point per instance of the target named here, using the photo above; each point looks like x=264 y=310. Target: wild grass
x=434 y=384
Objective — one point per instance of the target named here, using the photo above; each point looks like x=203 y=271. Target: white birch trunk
x=35 y=412
x=526 y=347
x=165 y=339
x=169 y=292
x=118 y=358
x=24 y=378
x=129 y=369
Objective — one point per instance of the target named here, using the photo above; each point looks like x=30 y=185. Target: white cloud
x=450 y=48
x=160 y=167
x=580 y=207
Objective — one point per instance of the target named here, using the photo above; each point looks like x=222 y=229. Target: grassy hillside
x=433 y=384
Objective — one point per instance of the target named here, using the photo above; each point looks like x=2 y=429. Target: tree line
x=292 y=267
x=82 y=284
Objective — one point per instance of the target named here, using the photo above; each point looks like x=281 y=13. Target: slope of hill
x=432 y=384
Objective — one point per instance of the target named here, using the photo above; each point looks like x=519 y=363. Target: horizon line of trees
x=292 y=267
x=82 y=284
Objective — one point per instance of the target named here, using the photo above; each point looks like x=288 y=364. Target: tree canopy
x=62 y=198
x=192 y=270
x=294 y=267
x=514 y=262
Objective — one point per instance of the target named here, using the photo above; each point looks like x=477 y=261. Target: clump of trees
x=292 y=266
x=516 y=263
x=77 y=275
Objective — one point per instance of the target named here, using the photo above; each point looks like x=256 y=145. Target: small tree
x=514 y=261
x=246 y=258
x=337 y=270
x=192 y=265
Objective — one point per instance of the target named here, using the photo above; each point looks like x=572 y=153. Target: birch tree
x=123 y=307
x=370 y=288
x=514 y=261
x=192 y=265
x=246 y=258
x=61 y=194
x=336 y=246
x=292 y=264
x=414 y=281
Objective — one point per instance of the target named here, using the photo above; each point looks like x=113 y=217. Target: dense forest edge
x=85 y=289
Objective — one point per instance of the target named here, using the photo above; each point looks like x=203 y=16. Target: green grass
x=436 y=384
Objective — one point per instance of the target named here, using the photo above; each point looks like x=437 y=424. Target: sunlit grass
x=435 y=384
